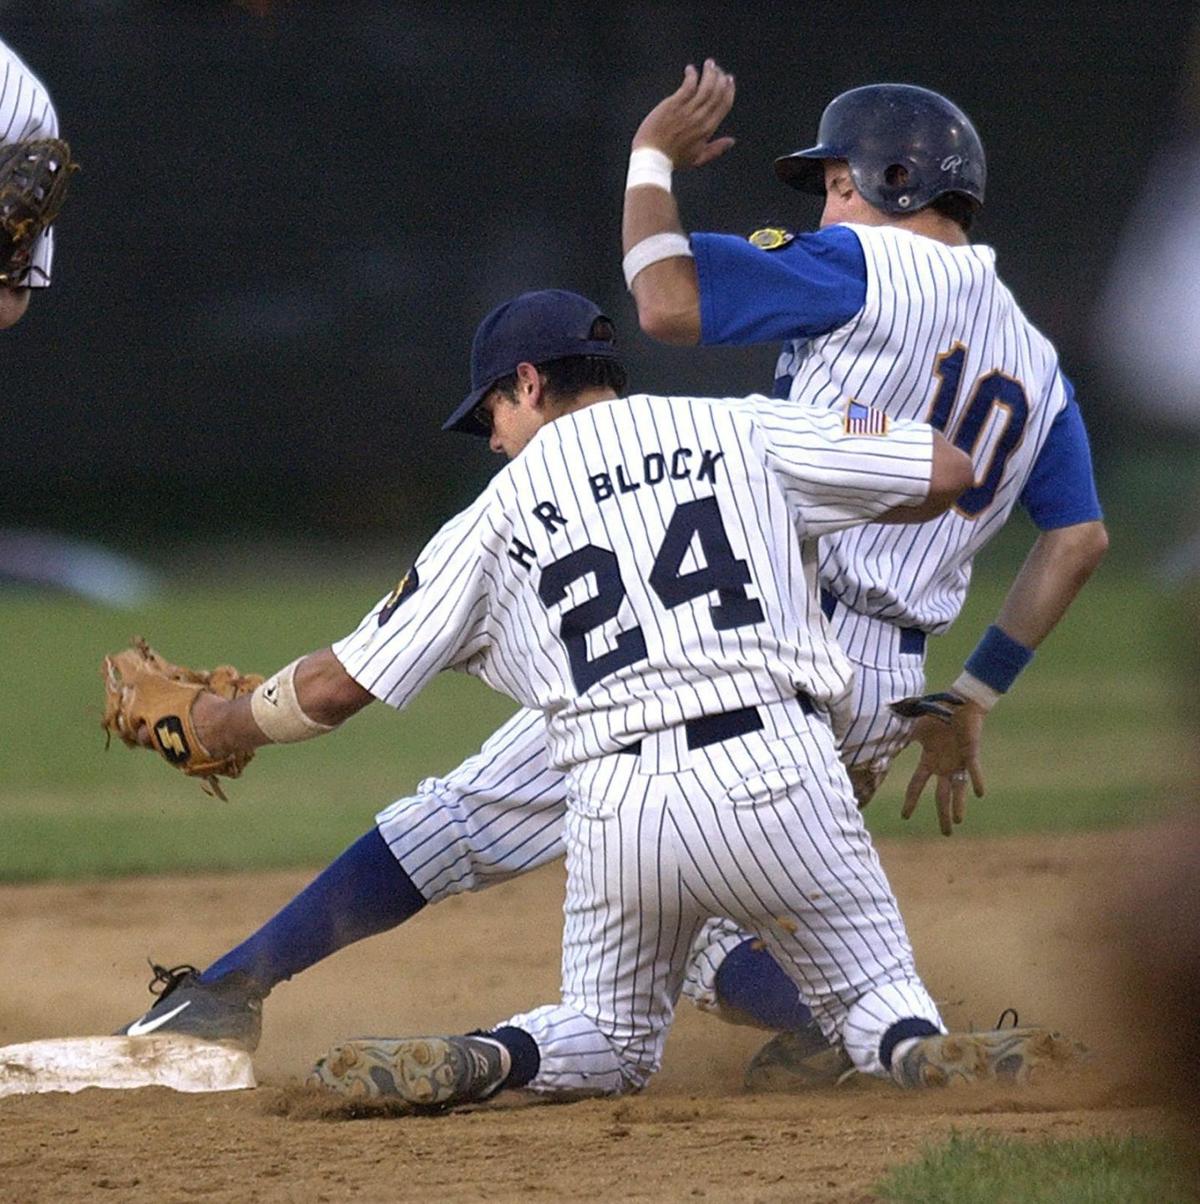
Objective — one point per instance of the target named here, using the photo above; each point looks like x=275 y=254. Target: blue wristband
x=997 y=659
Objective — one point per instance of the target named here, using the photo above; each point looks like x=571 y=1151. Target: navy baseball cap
x=534 y=328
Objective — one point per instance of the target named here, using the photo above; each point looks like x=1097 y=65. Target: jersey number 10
x=722 y=574
x=993 y=390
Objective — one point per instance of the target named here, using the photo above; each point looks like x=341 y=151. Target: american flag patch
x=864 y=420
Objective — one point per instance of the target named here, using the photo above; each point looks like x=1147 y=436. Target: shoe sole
x=424 y=1071
x=1010 y=1055
x=782 y=1068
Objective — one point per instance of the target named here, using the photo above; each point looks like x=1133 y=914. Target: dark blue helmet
x=906 y=147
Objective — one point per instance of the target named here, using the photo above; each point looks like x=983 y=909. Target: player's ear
x=529 y=384
x=839 y=183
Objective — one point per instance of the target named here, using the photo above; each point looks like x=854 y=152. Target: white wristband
x=648 y=165
x=276 y=710
x=976 y=691
x=651 y=250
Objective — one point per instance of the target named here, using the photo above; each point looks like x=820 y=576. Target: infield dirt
x=1025 y=922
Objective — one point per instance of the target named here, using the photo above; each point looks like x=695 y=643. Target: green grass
x=995 y=1170
x=69 y=809
x=1090 y=736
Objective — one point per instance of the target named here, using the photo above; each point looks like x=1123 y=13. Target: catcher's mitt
x=142 y=687
x=33 y=185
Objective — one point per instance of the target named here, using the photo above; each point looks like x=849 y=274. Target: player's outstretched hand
x=148 y=703
x=950 y=753
x=682 y=126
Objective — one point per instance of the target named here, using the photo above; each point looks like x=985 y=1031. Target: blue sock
x=363 y=892
x=522 y=1050
x=914 y=1026
x=751 y=981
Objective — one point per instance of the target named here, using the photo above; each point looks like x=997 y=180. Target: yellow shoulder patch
x=771 y=238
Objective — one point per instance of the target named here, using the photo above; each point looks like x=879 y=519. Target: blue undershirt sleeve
x=1061 y=490
x=814 y=284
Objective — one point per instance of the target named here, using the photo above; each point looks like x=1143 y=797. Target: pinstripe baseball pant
x=760 y=827
x=885 y=668
x=502 y=812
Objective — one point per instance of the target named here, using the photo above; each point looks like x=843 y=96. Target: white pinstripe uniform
x=939 y=339
x=26 y=111
x=645 y=570
x=938 y=329
x=500 y=813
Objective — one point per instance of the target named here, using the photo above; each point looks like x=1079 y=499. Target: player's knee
x=636 y=1064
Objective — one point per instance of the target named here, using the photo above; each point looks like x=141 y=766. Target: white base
x=75 y=1063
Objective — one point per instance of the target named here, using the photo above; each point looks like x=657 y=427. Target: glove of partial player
x=33 y=185
x=143 y=688
x=938 y=706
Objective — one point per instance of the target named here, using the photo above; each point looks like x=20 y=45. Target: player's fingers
x=713 y=94
x=912 y=795
x=958 y=796
x=976 y=772
x=701 y=85
x=945 y=805
x=713 y=150
x=688 y=86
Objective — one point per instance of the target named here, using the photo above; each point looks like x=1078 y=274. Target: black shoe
x=798 y=1061
x=228 y=1011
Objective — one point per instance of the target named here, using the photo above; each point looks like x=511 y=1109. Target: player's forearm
x=1056 y=569
x=324 y=692
x=1053 y=573
x=667 y=292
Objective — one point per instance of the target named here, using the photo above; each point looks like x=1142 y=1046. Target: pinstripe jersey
x=939 y=339
x=643 y=562
x=26 y=111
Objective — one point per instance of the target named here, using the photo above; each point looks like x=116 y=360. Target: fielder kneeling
x=667 y=623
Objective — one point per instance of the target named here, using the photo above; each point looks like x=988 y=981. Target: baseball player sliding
x=891 y=304
x=643 y=574
x=502 y=811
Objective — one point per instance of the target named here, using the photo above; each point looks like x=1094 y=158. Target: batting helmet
x=906 y=147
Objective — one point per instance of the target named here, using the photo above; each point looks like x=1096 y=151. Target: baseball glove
x=143 y=688
x=938 y=706
x=33 y=185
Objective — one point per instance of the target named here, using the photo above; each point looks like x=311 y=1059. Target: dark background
x=292 y=215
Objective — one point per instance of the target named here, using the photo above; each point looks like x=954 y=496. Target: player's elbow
x=667 y=296
x=667 y=323
x=325 y=691
x=1080 y=548
x=952 y=474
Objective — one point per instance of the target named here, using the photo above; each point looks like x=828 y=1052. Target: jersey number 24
x=722 y=574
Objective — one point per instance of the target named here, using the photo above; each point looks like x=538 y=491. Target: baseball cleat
x=427 y=1072
x=798 y=1060
x=226 y=1012
x=1010 y=1055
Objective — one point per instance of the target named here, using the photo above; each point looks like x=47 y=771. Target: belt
x=712 y=729
x=912 y=639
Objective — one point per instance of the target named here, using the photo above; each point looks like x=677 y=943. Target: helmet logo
x=952 y=162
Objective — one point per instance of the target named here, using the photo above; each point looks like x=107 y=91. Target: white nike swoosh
x=139 y=1028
